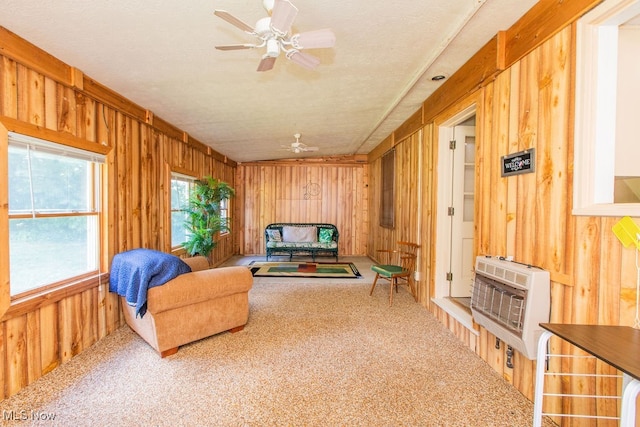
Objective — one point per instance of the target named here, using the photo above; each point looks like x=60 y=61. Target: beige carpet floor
x=314 y=353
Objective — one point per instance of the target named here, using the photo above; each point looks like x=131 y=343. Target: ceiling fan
x=274 y=33
x=298 y=147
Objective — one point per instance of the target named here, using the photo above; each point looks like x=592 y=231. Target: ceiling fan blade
x=314 y=39
x=235 y=46
x=234 y=21
x=311 y=149
x=304 y=59
x=284 y=13
x=266 y=63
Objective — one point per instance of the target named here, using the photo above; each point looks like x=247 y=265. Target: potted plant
x=204 y=221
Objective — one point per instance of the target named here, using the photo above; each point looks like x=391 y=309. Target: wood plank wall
x=529 y=216
x=277 y=192
x=411 y=157
x=530 y=104
x=40 y=93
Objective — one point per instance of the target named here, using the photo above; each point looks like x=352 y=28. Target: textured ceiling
x=161 y=56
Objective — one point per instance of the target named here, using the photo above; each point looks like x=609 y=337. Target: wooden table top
x=619 y=346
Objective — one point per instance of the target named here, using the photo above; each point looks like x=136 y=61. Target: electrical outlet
x=416 y=276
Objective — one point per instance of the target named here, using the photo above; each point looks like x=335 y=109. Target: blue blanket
x=135 y=271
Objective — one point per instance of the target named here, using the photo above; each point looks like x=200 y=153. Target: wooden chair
x=397 y=266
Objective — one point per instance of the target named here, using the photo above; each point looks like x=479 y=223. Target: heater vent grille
x=501 y=303
x=511 y=300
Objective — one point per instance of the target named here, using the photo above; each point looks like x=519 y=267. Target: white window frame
x=181 y=177
x=94 y=195
x=225 y=206
x=595 y=123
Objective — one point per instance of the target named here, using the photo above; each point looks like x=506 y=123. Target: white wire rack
x=627 y=402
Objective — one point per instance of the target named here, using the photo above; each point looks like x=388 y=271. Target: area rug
x=329 y=270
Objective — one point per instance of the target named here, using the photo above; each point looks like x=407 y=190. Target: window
x=224 y=216
x=54 y=213
x=387 y=198
x=181 y=186
x=606 y=178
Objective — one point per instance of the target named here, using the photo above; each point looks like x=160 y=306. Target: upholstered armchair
x=193 y=306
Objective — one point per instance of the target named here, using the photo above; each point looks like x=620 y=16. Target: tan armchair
x=193 y=306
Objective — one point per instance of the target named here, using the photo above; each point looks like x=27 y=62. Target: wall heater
x=510 y=300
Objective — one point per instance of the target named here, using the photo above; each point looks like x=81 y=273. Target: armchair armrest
x=197 y=286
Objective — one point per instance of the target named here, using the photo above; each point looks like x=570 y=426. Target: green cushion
x=387 y=270
x=326 y=235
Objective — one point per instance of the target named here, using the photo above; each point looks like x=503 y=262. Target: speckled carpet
x=322 y=354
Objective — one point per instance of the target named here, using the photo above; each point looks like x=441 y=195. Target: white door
x=461 y=211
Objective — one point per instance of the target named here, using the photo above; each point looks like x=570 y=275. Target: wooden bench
x=301 y=239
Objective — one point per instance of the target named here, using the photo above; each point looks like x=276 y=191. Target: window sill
x=29 y=303
x=179 y=251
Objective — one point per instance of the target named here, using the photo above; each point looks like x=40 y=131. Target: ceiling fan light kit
x=273 y=48
x=268 y=5
x=263 y=27
x=274 y=33
x=298 y=147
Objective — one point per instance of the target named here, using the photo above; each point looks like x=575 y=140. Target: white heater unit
x=510 y=300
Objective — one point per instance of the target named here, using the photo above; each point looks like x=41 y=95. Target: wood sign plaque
x=519 y=163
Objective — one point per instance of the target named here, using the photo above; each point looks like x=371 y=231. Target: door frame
x=462 y=232
x=443 y=224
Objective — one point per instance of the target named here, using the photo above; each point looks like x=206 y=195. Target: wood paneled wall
x=529 y=216
x=278 y=192
x=48 y=98
x=529 y=104
x=407 y=190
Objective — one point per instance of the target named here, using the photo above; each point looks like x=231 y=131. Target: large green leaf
x=204 y=222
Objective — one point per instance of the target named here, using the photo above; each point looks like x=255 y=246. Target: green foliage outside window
x=53 y=217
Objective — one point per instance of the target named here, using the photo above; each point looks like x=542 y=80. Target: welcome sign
x=518 y=163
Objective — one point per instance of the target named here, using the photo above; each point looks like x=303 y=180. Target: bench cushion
x=301 y=245
x=325 y=235
x=274 y=235
x=299 y=234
